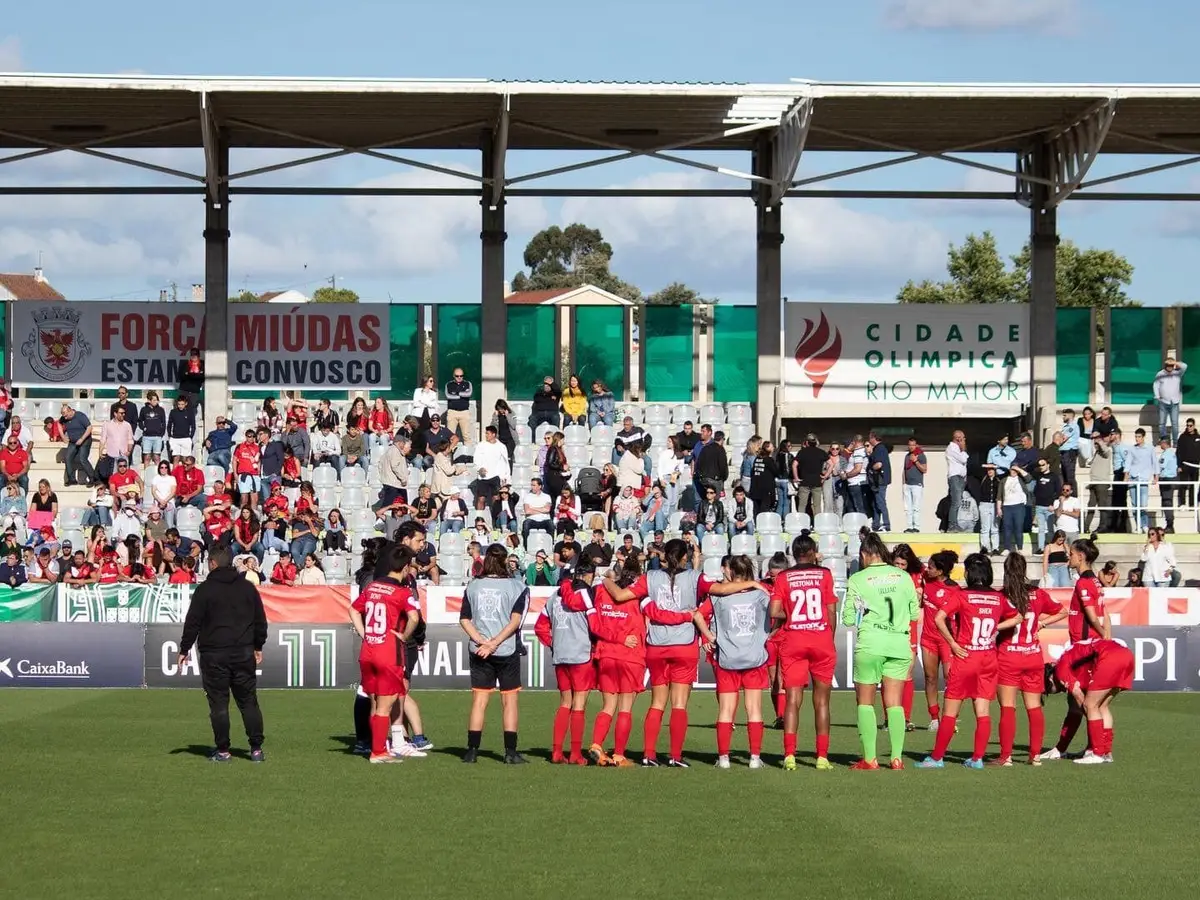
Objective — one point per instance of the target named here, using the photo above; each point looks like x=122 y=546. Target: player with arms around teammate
x=737 y=641
x=882 y=601
x=569 y=638
x=1095 y=671
x=937 y=591
x=384 y=615
x=981 y=615
x=1021 y=668
x=492 y=608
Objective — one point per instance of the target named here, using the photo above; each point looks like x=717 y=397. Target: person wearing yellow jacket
x=574 y=403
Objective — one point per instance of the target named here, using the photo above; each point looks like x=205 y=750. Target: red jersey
x=935 y=597
x=1024 y=638
x=188 y=481
x=306 y=504
x=613 y=622
x=55 y=432
x=284 y=572
x=1087 y=595
x=247 y=458
x=13 y=461
x=182 y=576
x=291 y=469
x=110 y=573
x=118 y=480
x=1079 y=661
x=380 y=420
x=384 y=605
x=979 y=611
x=276 y=501
x=806 y=593
x=299 y=415
x=217 y=523
x=83 y=572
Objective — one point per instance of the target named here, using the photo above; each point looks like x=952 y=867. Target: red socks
x=600 y=728
x=379 y=734
x=907 y=700
x=577 y=726
x=650 y=730
x=724 y=737
x=679 y=726
x=1095 y=732
x=822 y=746
x=1037 y=730
x=754 y=732
x=789 y=744
x=1008 y=730
x=562 y=718
x=934 y=713
x=1069 y=727
x=780 y=704
x=621 y=738
x=983 y=730
x=944 y=733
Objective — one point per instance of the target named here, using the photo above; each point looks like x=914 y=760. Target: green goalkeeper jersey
x=882 y=601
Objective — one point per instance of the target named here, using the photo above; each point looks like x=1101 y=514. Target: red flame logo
x=818 y=349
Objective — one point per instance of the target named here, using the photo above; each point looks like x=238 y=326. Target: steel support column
x=768 y=295
x=216 y=290
x=1043 y=297
x=493 y=321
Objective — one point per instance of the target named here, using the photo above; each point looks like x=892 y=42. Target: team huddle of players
x=609 y=633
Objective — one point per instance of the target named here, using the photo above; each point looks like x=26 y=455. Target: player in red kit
x=1094 y=672
x=384 y=615
x=778 y=563
x=937 y=591
x=1086 y=620
x=980 y=611
x=904 y=557
x=1020 y=658
x=569 y=638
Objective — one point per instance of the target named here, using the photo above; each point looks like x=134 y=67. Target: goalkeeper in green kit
x=882 y=601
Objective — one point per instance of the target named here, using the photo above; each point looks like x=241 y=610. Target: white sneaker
x=1108 y=757
x=722 y=762
x=1050 y=754
x=933 y=725
x=406 y=750
x=1091 y=759
x=756 y=762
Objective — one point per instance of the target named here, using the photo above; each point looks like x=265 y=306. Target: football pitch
x=107 y=794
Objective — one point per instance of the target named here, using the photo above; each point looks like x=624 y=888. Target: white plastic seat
x=26 y=409
x=770 y=544
x=377 y=453
x=335 y=568
x=524 y=455
x=657 y=414
x=270 y=558
x=213 y=474
x=675 y=521
x=837 y=566
x=523 y=435
x=522 y=409
x=326 y=498
x=796 y=523
x=521 y=476
x=712 y=568
x=539 y=436
x=455 y=567
x=53 y=409
x=361 y=519
x=578 y=457
x=738 y=413
x=629 y=411
x=712 y=414
x=539 y=540
x=658 y=436
x=75 y=536
x=188 y=517
x=192 y=534
x=828 y=523
x=742 y=545
x=714 y=545
x=737 y=435
x=575 y=435
x=603 y=436
x=353 y=498
x=852 y=522
x=452 y=543
x=684 y=412
x=831 y=545
x=601 y=455
x=324 y=475
x=768 y=523
x=71 y=517
x=244 y=411
x=353 y=476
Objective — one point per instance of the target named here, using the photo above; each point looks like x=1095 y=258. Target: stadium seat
x=796 y=523
x=523 y=435
x=712 y=568
x=362 y=519
x=353 y=476
x=192 y=534
x=738 y=413
x=376 y=455
x=853 y=545
x=768 y=523
x=75 y=536
x=524 y=455
x=324 y=476
x=214 y=474
x=244 y=411
x=326 y=498
x=601 y=455
x=831 y=545
x=335 y=568
x=712 y=414
x=684 y=412
x=270 y=558
x=658 y=436
x=53 y=409
x=374 y=480
x=353 y=498
x=837 y=566
x=714 y=545
x=578 y=457
x=770 y=544
x=828 y=523
x=455 y=567
x=629 y=411
x=188 y=517
x=451 y=543
x=539 y=436
x=657 y=414
x=852 y=522
x=539 y=540
x=603 y=436
x=675 y=521
x=70 y=518
x=743 y=545
x=521 y=476
x=522 y=410
x=737 y=435
x=575 y=435
x=26 y=409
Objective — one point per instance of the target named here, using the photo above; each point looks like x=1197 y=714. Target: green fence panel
x=531 y=350
x=459 y=341
x=404 y=339
x=735 y=354
x=599 y=347
x=1134 y=354
x=1187 y=339
x=670 y=353
x=1074 y=346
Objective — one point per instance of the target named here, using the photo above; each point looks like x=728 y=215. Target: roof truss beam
x=87 y=148
x=208 y=133
x=788 y=147
x=496 y=184
x=1073 y=149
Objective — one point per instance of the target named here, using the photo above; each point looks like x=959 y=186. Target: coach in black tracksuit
x=228 y=626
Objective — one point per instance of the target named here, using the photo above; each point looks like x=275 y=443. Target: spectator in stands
x=504 y=509
x=271 y=454
x=45 y=568
x=458 y=405
x=602 y=408
x=879 y=476
x=1106 y=422
x=325 y=415
x=191 y=379
x=16 y=428
x=1067 y=513
x=1002 y=456
x=359 y=416
x=10 y=541
x=270 y=418
x=305 y=531
x=856 y=475
x=55 y=434
x=181 y=429
x=712 y=465
x=425 y=402
x=5 y=401
x=627 y=510
x=125 y=483
x=296 y=439
x=1187 y=450
x=116 y=442
x=1120 y=491
x=126 y=522
x=124 y=404
x=152 y=422
x=454 y=514
x=761 y=487
x=599 y=553
x=687 y=439
x=540 y=573
x=546 y=400
x=444 y=472
x=12 y=571
x=710 y=514
x=629 y=434
x=506 y=427
x=434 y=435
x=1052 y=453
x=327 y=449
x=13 y=507
x=218 y=525
x=297 y=413
x=14 y=464
x=274 y=530
x=291 y=476
x=1159 y=566
x=784 y=489
x=334 y=538
x=380 y=424
x=81 y=572
x=247 y=468
x=990 y=513
x=311 y=574
x=491 y=461
x=574 y=403
x=556 y=472
x=1140 y=470
x=740 y=510
x=189 y=484
x=1168 y=395
x=285 y=572
x=99 y=507
x=631 y=470
x=807 y=474
x=156 y=527
x=655 y=511
x=78 y=430
x=608 y=489
x=163 y=488
x=1069 y=450
x=536 y=505
x=915 y=467
x=247 y=534
x=45 y=501
x=1047 y=488
x=353 y=449
x=956 y=476
x=568 y=512
x=749 y=455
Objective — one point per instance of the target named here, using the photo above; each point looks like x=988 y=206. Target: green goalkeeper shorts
x=870 y=668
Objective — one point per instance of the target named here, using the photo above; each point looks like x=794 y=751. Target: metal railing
x=1153 y=507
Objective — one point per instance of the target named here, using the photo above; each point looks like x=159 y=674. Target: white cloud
x=10 y=55
x=1055 y=16
x=828 y=247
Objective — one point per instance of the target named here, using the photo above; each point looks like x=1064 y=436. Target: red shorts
x=801 y=658
x=382 y=678
x=616 y=676
x=1024 y=671
x=730 y=681
x=1115 y=670
x=577 y=677
x=676 y=664
x=773 y=645
x=935 y=643
x=974 y=677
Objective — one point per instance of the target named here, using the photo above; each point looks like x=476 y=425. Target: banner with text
x=339 y=346
x=852 y=354
x=52 y=654
x=27 y=603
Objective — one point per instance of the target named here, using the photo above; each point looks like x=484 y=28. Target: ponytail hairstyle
x=904 y=557
x=778 y=562
x=979 y=570
x=944 y=562
x=1086 y=547
x=1016 y=582
x=804 y=549
x=872 y=545
x=741 y=568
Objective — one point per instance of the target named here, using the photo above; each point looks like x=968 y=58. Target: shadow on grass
x=457 y=753
x=346 y=744
x=206 y=750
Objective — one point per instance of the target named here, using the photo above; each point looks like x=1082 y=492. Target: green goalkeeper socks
x=895 y=723
x=866 y=731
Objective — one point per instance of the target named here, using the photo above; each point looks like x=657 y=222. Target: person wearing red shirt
x=1020 y=658
x=218 y=526
x=189 y=484
x=81 y=571
x=1094 y=671
x=109 y=571
x=936 y=592
x=276 y=500
x=247 y=467
x=981 y=615
x=185 y=572
x=124 y=483
x=14 y=463
x=1086 y=620
x=567 y=636
x=385 y=614
x=284 y=572
x=903 y=557
x=379 y=423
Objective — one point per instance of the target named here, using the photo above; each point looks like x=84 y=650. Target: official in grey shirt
x=493 y=606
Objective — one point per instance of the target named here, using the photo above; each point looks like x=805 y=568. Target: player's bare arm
x=942 y=628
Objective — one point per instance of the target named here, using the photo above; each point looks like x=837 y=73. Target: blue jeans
x=627 y=523
x=378 y=440
x=271 y=542
x=595 y=418
x=301 y=547
x=719 y=528
x=97 y=515
x=219 y=458
x=361 y=462
x=734 y=530
x=256 y=548
x=1058 y=575
x=782 y=506
x=658 y=522
x=1012 y=527
x=856 y=501
x=912 y=507
x=1045 y=517
x=956 y=484
x=76 y=462
x=1139 y=499
x=989 y=532
x=1168 y=413
x=504 y=522
x=879 y=511
x=452 y=526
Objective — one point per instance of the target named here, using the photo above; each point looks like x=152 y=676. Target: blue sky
x=425 y=250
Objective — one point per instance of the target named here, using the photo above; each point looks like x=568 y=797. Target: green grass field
x=107 y=794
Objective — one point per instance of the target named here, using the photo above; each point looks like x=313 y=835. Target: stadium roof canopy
x=101 y=115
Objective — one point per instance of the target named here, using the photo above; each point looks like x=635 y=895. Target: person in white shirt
x=1158 y=560
x=671 y=470
x=327 y=448
x=856 y=475
x=956 y=475
x=425 y=401
x=126 y=523
x=1067 y=510
x=537 y=510
x=491 y=459
x=23 y=435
